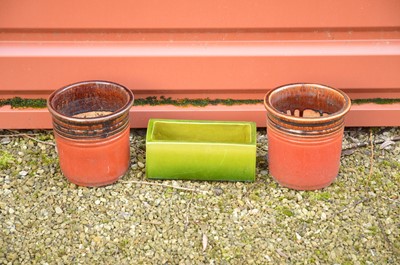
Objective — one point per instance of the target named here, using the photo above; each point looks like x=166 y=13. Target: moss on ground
x=285 y=211
x=5 y=159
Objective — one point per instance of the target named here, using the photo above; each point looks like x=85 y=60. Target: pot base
x=309 y=187
x=95 y=184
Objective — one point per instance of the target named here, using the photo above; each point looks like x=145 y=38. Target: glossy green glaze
x=201 y=150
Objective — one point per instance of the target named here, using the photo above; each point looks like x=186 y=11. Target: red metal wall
x=209 y=48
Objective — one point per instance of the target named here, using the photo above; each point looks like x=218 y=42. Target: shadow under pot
x=91 y=129
x=305 y=124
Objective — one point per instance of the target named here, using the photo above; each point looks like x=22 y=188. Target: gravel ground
x=44 y=219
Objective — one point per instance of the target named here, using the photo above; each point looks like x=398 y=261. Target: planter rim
x=113 y=115
x=152 y=121
x=333 y=116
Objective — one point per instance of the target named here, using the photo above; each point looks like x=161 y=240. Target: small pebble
x=30 y=183
x=5 y=140
x=218 y=191
x=58 y=210
x=323 y=216
x=23 y=173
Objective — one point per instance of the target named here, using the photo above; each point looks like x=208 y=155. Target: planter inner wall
x=86 y=97
x=201 y=150
x=306 y=98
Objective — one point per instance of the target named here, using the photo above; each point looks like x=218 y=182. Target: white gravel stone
x=323 y=216
x=58 y=210
x=23 y=173
x=5 y=140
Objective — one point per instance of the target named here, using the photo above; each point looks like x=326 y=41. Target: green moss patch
x=376 y=100
x=153 y=101
x=18 y=102
x=320 y=196
x=285 y=211
x=5 y=159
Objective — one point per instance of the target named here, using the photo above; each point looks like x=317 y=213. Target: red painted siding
x=209 y=48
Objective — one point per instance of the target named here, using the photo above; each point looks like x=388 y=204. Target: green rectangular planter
x=201 y=150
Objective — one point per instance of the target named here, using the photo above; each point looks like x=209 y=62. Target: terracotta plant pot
x=91 y=128
x=305 y=125
x=201 y=150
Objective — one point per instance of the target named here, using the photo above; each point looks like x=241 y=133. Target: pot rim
x=333 y=116
x=113 y=115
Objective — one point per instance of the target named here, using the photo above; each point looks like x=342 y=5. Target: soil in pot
x=92 y=114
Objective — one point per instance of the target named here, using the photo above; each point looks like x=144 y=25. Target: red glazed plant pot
x=305 y=124
x=91 y=128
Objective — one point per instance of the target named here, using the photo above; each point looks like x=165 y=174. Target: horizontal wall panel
x=201 y=49
x=197 y=49
x=359 y=115
x=200 y=36
x=204 y=14
x=226 y=66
